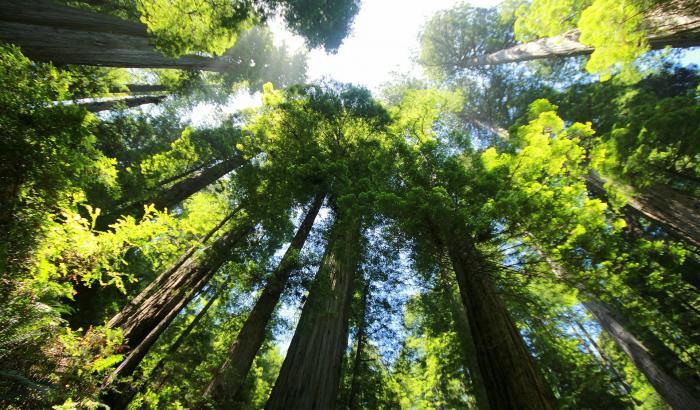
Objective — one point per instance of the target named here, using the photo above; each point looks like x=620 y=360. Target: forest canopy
x=512 y=223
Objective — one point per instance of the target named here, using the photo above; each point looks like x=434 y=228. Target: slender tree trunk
x=310 y=374
x=666 y=29
x=353 y=396
x=140 y=88
x=230 y=376
x=138 y=320
x=509 y=373
x=49 y=31
x=471 y=364
x=676 y=213
x=126 y=102
x=175 y=194
x=674 y=393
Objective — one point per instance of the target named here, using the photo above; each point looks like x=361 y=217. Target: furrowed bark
x=310 y=374
x=175 y=194
x=512 y=381
x=142 y=319
x=139 y=88
x=674 y=393
x=48 y=31
x=471 y=364
x=230 y=376
x=648 y=361
x=666 y=29
x=353 y=396
x=127 y=102
x=676 y=213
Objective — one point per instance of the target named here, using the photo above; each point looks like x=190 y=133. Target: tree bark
x=667 y=29
x=230 y=376
x=676 y=213
x=126 y=102
x=175 y=194
x=353 y=396
x=310 y=374
x=471 y=364
x=512 y=381
x=137 y=320
x=674 y=393
x=139 y=88
x=48 y=31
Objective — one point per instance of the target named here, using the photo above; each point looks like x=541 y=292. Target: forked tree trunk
x=49 y=31
x=310 y=374
x=670 y=28
x=126 y=102
x=512 y=381
x=137 y=320
x=175 y=194
x=676 y=213
x=230 y=376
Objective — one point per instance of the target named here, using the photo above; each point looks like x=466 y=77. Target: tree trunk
x=48 y=31
x=512 y=381
x=674 y=393
x=353 y=396
x=648 y=361
x=140 y=88
x=310 y=374
x=173 y=195
x=230 y=376
x=138 y=319
x=667 y=29
x=676 y=213
x=118 y=103
x=471 y=364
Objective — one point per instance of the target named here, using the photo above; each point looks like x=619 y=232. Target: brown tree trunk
x=512 y=381
x=140 y=88
x=674 y=393
x=138 y=320
x=230 y=376
x=676 y=213
x=310 y=374
x=667 y=28
x=175 y=194
x=471 y=364
x=353 y=396
x=49 y=31
x=647 y=360
x=118 y=103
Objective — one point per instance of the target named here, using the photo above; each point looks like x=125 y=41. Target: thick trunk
x=353 y=396
x=666 y=29
x=471 y=364
x=140 y=88
x=229 y=378
x=118 y=103
x=512 y=381
x=48 y=31
x=175 y=194
x=310 y=374
x=139 y=319
x=676 y=213
x=674 y=393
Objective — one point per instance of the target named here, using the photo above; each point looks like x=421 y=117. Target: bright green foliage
x=614 y=28
x=184 y=26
